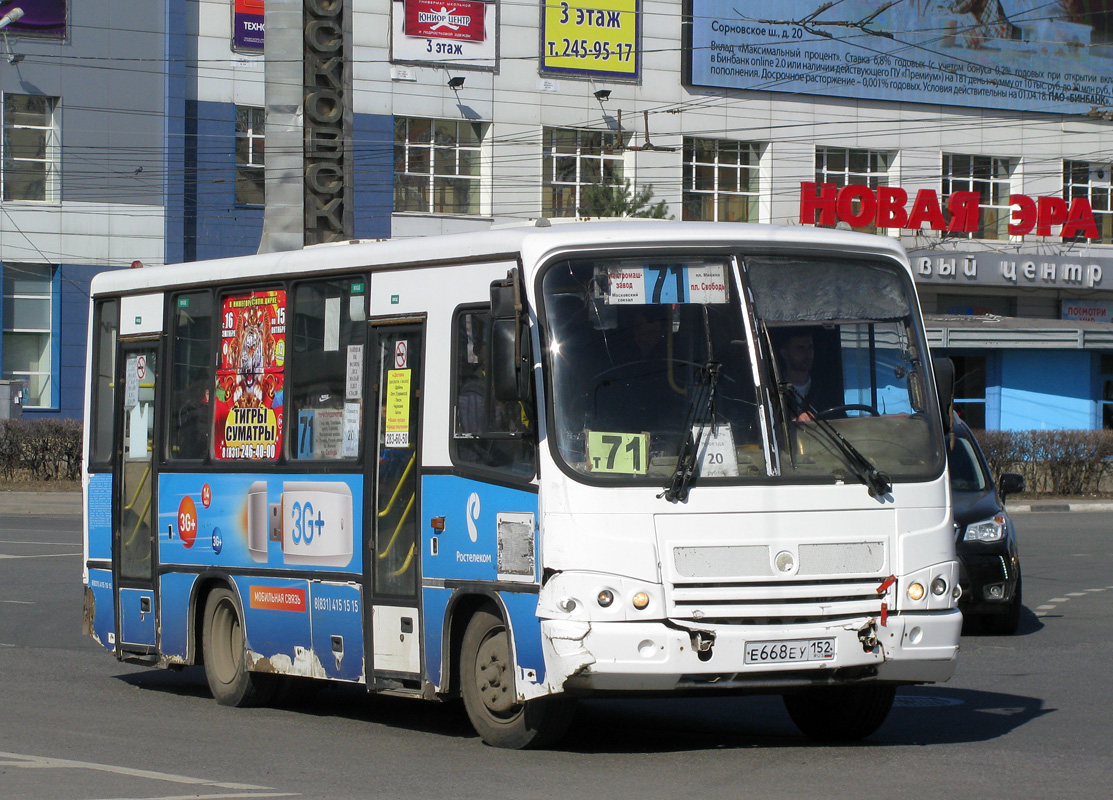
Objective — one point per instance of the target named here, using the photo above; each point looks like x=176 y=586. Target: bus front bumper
x=667 y=656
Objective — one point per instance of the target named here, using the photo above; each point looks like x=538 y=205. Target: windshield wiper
x=772 y=361
x=700 y=413
x=878 y=483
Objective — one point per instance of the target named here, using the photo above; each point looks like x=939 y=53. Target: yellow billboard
x=591 y=37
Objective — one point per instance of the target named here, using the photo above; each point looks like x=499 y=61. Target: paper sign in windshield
x=618 y=453
x=667 y=284
x=717 y=457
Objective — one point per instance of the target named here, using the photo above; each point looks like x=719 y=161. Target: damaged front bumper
x=678 y=655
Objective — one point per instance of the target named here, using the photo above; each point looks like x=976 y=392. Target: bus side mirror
x=510 y=354
x=944 y=370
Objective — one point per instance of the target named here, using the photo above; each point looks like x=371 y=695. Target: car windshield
x=651 y=361
x=967 y=474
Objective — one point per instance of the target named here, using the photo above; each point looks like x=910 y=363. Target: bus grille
x=737 y=584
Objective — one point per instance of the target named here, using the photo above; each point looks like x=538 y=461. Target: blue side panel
x=137 y=617
x=526 y=628
x=104 y=616
x=276 y=621
x=434 y=603
x=466 y=550
x=262 y=520
x=1046 y=390
x=338 y=629
x=99 y=513
x=173 y=610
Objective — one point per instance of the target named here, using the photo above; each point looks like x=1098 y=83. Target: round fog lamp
x=916 y=591
x=938 y=587
x=640 y=601
x=605 y=598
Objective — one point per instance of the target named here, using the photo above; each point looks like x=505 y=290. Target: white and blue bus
x=526 y=466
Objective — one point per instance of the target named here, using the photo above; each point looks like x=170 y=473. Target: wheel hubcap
x=492 y=667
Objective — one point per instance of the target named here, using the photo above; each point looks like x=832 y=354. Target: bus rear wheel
x=487 y=686
x=222 y=646
x=840 y=713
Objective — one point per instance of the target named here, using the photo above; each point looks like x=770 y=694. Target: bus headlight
x=640 y=601
x=605 y=598
x=916 y=591
x=938 y=587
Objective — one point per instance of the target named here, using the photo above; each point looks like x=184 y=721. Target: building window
x=251 y=141
x=436 y=165
x=574 y=160
x=30 y=148
x=28 y=305
x=991 y=178
x=720 y=180
x=844 y=167
x=970 y=383
x=1093 y=182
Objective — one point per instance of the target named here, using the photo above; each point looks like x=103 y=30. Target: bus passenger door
x=392 y=552
x=134 y=505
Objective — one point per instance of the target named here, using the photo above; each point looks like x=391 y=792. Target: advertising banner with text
x=601 y=40
x=1023 y=55
x=435 y=32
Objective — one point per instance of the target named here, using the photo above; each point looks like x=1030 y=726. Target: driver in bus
x=797 y=354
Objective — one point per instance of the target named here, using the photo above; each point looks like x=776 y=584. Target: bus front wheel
x=840 y=713
x=487 y=686
x=222 y=643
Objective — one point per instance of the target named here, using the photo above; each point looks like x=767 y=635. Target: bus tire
x=841 y=713
x=487 y=686
x=222 y=643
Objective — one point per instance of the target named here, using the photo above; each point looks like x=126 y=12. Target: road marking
x=19 y=602
x=43 y=544
x=1051 y=604
x=241 y=789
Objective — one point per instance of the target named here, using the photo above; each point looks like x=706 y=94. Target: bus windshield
x=653 y=365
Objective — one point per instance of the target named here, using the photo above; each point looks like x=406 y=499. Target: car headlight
x=988 y=530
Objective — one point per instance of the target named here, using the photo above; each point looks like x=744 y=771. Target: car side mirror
x=1010 y=483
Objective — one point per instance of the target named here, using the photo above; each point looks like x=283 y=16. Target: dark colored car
x=985 y=537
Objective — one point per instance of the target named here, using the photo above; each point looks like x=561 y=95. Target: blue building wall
x=1046 y=390
x=372 y=175
x=215 y=226
x=203 y=221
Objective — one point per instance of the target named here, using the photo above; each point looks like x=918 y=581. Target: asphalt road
x=1026 y=716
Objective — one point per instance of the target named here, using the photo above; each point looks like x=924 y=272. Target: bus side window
x=190 y=418
x=105 y=330
x=486 y=433
x=327 y=349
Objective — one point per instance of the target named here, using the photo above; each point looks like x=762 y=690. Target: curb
x=50 y=504
x=1060 y=507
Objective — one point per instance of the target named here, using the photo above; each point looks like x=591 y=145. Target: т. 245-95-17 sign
x=591 y=37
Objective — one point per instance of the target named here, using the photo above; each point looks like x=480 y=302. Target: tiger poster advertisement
x=249 y=379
